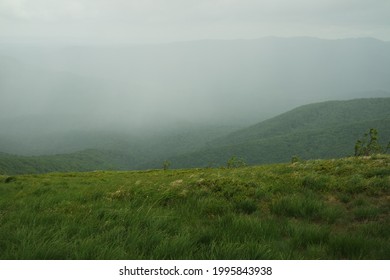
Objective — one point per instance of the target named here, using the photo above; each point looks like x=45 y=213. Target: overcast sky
x=155 y=21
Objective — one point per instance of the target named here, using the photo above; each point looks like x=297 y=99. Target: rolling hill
x=321 y=115
x=319 y=130
x=101 y=150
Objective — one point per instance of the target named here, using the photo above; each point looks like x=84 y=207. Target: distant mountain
x=101 y=150
x=324 y=115
x=320 y=130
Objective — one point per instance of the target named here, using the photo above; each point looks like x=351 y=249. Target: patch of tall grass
x=336 y=209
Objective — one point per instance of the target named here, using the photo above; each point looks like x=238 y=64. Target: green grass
x=321 y=209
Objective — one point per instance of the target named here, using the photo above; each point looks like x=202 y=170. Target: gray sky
x=156 y=21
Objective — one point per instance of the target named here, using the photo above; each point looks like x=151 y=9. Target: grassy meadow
x=319 y=209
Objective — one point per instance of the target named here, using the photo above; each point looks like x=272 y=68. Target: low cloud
x=140 y=21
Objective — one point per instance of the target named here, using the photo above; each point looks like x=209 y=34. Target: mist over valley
x=63 y=98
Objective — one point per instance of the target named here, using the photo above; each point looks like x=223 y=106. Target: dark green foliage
x=295 y=159
x=235 y=162
x=367 y=147
x=387 y=148
x=9 y=179
x=166 y=164
x=321 y=130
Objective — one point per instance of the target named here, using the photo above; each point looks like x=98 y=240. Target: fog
x=141 y=66
x=157 y=21
x=239 y=81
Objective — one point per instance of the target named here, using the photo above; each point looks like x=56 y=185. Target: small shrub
x=166 y=164
x=9 y=179
x=235 y=162
x=295 y=159
x=344 y=197
x=365 y=147
x=204 y=237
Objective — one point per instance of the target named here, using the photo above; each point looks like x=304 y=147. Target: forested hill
x=322 y=115
x=106 y=150
x=320 y=130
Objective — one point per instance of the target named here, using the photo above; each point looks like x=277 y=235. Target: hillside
x=320 y=130
x=322 y=209
x=101 y=150
x=87 y=160
x=324 y=115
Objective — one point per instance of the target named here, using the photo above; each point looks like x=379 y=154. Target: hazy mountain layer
x=106 y=150
x=322 y=115
x=320 y=130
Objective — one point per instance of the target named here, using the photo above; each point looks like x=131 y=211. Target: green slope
x=321 y=143
x=87 y=160
x=313 y=116
x=322 y=209
x=106 y=150
x=321 y=130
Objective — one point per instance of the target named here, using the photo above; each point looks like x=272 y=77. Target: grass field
x=322 y=209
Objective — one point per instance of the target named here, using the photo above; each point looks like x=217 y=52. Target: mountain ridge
x=270 y=141
x=332 y=137
x=317 y=111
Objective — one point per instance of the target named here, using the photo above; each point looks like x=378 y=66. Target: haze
x=147 y=65
x=156 y=21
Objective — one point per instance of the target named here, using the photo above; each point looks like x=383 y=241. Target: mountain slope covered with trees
x=319 y=130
